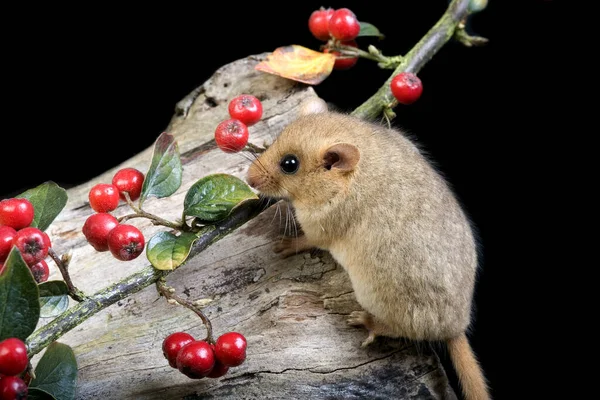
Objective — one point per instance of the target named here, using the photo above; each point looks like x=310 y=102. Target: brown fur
x=390 y=220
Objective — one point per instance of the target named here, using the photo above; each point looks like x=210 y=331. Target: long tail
x=470 y=375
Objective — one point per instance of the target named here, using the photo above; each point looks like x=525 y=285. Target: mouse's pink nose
x=255 y=180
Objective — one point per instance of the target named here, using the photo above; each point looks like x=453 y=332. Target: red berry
x=40 y=271
x=230 y=349
x=343 y=62
x=96 y=229
x=126 y=242
x=344 y=25
x=33 y=244
x=104 y=197
x=7 y=237
x=16 y=213
x=46 y=238
x=406 y=87
x=13 y=356
x=231 y=135
x=318 y=23
x=129 y=180
x=246 y=108
x=196 y=359
x=173 y=343
x=13 y=388
x=218 y=370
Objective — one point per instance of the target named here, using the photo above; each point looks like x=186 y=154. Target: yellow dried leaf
x=299 y=64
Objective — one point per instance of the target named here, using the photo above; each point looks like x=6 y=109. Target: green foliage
x=48 y=200
x=213 y=197
x=367 y=29
x=164 y=175
x=56 y=372
x=54 y=298
x=166 y=251
x=19 y=298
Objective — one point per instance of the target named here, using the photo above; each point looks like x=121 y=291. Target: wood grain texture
x=292 y=312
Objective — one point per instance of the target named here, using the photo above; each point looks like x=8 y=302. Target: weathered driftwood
x=292 y=312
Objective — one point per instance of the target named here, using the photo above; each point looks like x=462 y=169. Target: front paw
x=289 y=246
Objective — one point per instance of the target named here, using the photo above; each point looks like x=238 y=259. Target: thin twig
x=63 y=267
x=156 y=220
x=169 y=293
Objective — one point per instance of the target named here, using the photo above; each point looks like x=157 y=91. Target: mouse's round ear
x=341 y=156
x=313 y=106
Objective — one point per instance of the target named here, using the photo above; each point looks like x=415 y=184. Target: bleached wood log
x=292 y=312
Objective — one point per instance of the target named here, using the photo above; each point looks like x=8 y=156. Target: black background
x=86 y=88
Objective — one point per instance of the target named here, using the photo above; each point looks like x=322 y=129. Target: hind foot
x=375 y=328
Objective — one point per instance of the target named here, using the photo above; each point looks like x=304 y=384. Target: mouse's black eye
x=289 y=164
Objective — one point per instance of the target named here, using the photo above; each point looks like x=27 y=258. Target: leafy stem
x=416 y=58
x=373 y=54
x=156 y=220
x=131 y=284
x=63 y=266
x=169 y=294
x=465 y=38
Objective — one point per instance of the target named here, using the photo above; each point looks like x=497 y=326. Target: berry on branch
x=13 y=356
x=230 y=349
x=33 y=244
x=231 y=135
x=129 y=180
x=318 y=23
x=104 y=197
x=40 y=271
x=7 y=237
x=125 y=242
x=196 y=359
x=344 y=25
x=13 y=388
x=406 y=87
x=173 y=343
x=96 y=229
x=16 y=213
x=246 y=108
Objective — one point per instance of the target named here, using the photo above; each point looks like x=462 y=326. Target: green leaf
x=54 y=298
x=19 y=298
x=39 y=394
x=166 y=251
x=56 y=372
x=367 y=29
x=48 y=200
x=164 y=175
x=213 y=197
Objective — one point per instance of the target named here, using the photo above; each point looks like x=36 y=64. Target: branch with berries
x=213 y=207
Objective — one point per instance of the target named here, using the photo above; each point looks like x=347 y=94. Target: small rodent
x=369 y=196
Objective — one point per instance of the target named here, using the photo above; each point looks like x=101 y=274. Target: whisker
x=277 y=210
x=287 y=218
x=294 y=224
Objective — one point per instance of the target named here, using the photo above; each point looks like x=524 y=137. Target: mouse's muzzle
x=255 y=178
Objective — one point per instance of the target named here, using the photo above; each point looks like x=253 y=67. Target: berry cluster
x=197 y=359
x=232 y=134
x=102 y=230
x=341 y=25
x=13 y=363
x=16 y=216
